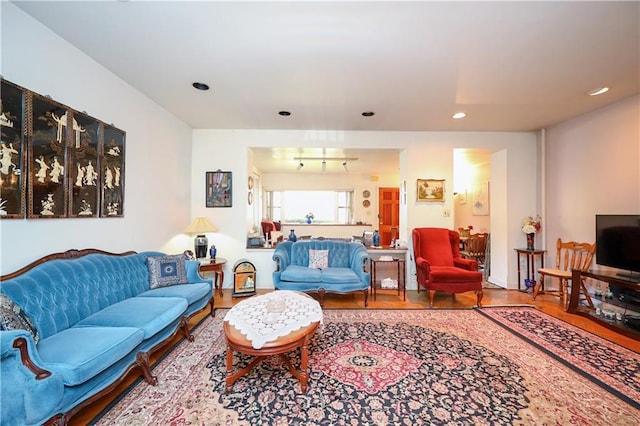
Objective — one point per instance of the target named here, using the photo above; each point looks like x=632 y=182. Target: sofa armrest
x=193 y=273
x=28 y=392
x=360 y=264
x=468 y=264
x=281 y=255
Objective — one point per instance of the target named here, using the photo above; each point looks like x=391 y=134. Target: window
x=329 y=207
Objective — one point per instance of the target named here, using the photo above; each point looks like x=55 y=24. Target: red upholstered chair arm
x=468 y=264
x=423 y=264
x=422 y=269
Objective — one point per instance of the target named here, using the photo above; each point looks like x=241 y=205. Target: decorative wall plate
x=366 y=203
x=366 y=193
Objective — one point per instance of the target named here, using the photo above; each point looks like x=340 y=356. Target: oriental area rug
x=494 y=366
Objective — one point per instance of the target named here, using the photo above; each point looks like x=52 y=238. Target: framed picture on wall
x=84 y=166
x=218 y=187
x=12 y=152
x=47 y=159
x=430 y=190
x=112 y=172
x=480 y=199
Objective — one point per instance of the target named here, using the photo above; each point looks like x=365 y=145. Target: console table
x=610 y=278
x=531 y=264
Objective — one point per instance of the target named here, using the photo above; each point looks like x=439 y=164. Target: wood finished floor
x=388 y=299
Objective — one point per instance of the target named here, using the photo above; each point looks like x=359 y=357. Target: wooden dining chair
x=569 y=255
x=476 y=248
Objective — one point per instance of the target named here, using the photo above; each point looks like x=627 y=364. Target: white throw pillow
x=318 y=259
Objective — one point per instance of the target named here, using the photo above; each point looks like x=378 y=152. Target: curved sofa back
x=57 y=294
x=339 y=252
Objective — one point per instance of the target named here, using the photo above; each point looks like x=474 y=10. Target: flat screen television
x=618 y=242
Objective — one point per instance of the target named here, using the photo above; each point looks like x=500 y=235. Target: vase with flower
x=530 y=226
x=309 y=217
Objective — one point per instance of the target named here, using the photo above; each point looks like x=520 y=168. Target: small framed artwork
x=480 y=199
x=218 y=186
x=430 y=190
x=244 y=279
x=12 y=152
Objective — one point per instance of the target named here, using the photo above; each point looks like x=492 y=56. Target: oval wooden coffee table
x=296 y=339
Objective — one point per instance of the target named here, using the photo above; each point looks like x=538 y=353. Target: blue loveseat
x=346 y=270
x=90 y=317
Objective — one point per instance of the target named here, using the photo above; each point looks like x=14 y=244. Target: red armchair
x=267 y=227
x=439 y=266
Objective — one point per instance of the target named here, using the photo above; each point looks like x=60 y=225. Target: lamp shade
x=200 y=225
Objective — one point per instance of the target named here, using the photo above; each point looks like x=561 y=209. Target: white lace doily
x=265 y=318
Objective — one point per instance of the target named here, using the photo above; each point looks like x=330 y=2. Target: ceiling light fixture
x=458 y=115
x=368 y=114
x=324 y=160
x=599 y=91
x=200 y=86
x=284 y=113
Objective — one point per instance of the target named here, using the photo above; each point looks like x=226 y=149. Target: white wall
x=592 y=167
x=158 y=150
x=425 y=155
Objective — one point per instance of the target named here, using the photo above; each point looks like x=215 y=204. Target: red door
x=388 y=214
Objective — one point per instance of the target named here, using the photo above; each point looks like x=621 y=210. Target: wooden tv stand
x=610 y=277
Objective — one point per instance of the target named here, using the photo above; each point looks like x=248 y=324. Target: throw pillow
x=318 y=259
x=12 y=317
x=167 y=270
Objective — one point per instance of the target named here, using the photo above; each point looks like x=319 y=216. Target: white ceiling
x=511 y=66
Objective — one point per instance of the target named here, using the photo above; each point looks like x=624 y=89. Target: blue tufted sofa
x=347 y=270
x=96 y=319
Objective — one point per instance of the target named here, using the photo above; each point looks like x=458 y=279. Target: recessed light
x=284 y=113
x=200 y=86
x=596 y=92
x=368 y=114
x=458 y=115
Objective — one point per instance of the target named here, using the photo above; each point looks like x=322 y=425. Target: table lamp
x=200 y=226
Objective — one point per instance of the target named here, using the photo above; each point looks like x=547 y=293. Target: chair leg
x=538 y=286
x=564 y=291
x=432 y=295
x=479 y=295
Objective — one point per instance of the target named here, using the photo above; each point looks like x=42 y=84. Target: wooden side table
x=531 y=264
x=401 y=265
x=215 y=266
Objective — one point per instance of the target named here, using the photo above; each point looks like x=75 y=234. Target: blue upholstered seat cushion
x=150 y=314
x=301 y=274
x=167 y=270
x=339 y=276
x=12 y=317
x=192 y=292
x=80 y=353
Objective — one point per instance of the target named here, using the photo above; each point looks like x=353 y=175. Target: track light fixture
x=324 y=160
